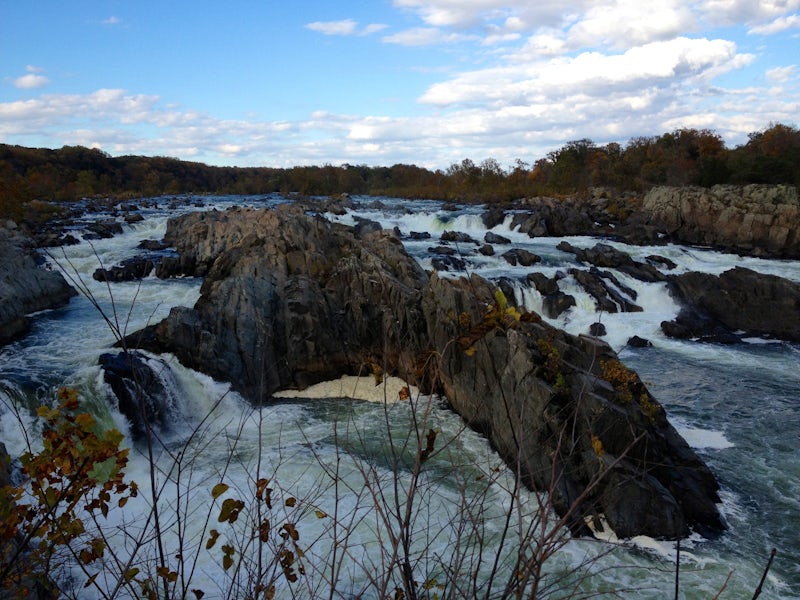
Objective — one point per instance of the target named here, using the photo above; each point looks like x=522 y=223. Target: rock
x=103 y=229
x=458 y=237
x=486 y=250
x=442 y=250
x=141 y=395
x=506 y=374
x=554 y=301
x=638 y=342
x=366 y=226
x=521 y=256
x=448 y=263
x=494 y=238
x=291 y=300
x=153 y=245
x=25 y=288
x=597 y=329
x=493 y=217
x=752 y=219
x=603 y=255
x=131 y=269
x=738 y=303
x=419 y=235
x=606 y=297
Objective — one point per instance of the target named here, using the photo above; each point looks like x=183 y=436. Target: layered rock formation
x=754 y=219
x=24 y=286
x=292 y=299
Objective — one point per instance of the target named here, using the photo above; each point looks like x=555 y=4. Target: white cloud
x=424 y=36
x=781 y=74
x=344 y=27
x=112 y=20
x=776 y=26
x=658 y=63
x=31 y=81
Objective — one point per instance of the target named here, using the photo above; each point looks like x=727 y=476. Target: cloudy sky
x=379 y=82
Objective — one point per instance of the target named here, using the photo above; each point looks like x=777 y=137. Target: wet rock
x=738 y=303
x=486 y=250
x=103 y=229
x=493 y=217
x=291 y=300
x=137 y=384
x=607 y=297
x=25 y=287
x=131 y=269
x=520 y=256
x=554 y=301
x=597 y=329
x=639 y=342
x=494 y=238
x=606 y=256
x=458 y=237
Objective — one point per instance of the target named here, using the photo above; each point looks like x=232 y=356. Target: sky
x=381 y=82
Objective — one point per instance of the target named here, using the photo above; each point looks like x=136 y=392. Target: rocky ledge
x=24 y=286
x=760 y=220
x=292 y=299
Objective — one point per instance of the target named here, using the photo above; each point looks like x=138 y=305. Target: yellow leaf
x=471 y=351
x=131 y=573
x=320 y=514
x=219 y=489
x=85 y=421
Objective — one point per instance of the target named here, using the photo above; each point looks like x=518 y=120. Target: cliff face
x=762 y=220
x=24 y=287
x=292 y=299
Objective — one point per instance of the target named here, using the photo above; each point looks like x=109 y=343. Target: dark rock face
x=291 y=300
x=607 y=298
x=294 y=301
x=603 y=255
x=128 y=270
x=494 y=238
x=24 y=287
x=142 y=396
x=554 y=301
x=507 y=389
x=521 y=256
x=739 y=300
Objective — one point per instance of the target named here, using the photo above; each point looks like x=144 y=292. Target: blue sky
x=428 y=82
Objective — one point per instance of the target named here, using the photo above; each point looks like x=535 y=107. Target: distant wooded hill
x=682 y=157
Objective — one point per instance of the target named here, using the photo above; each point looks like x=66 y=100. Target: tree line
x=681 y=157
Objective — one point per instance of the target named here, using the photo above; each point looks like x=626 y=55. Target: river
x=736 y=405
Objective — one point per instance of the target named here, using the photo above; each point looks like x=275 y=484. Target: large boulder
x=738 y=303
x=25 y=287
x=292 y=299
x=138 y=384
x=753 y=219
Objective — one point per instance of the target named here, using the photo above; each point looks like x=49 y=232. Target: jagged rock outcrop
x=291 y=299
x=141 y=394
x=24 y=286
x=761 y=220
x=738 y=303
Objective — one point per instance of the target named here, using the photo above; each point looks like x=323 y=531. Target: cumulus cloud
x=32 y=80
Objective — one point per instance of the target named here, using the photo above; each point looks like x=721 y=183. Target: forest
x=678 y=158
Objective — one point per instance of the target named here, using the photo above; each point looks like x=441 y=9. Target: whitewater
x=737 y=406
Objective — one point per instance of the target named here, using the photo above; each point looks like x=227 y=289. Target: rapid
x=737 y=406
